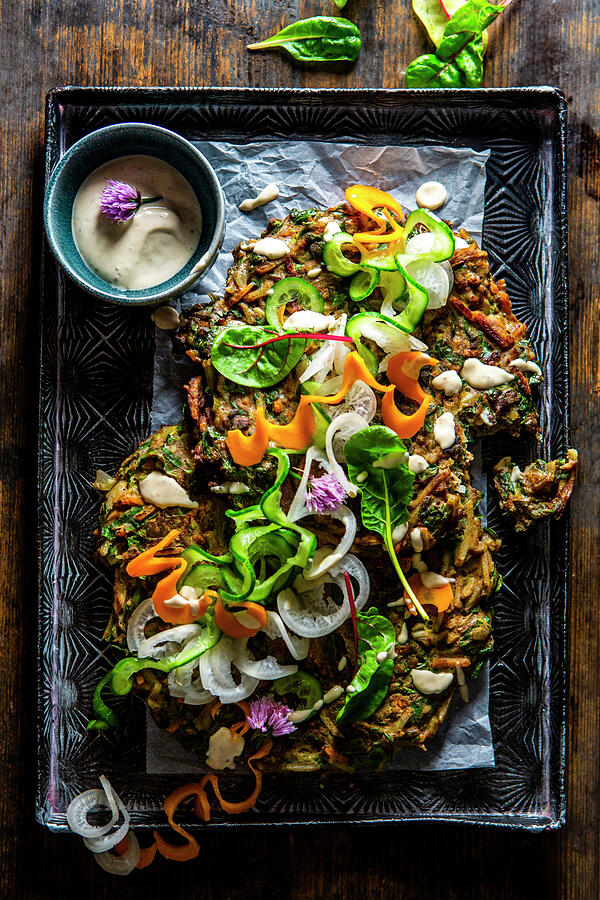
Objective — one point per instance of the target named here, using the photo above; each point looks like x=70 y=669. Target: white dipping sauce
x=481 y=377
x=417 y=463
x=223 y=749
x=431 y=195
x=156 y=242
x=431 y=682
x=268 y=194
x=444 y=431
x=163 y=491
x=272 y=248
x=449 y=382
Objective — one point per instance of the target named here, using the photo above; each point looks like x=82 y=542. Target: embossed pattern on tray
x=95 y=393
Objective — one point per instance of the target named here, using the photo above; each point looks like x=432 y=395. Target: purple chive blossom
x=270 y=716
x=324 y=494
x=120 y=201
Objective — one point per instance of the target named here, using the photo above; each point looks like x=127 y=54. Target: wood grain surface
x=166 y=42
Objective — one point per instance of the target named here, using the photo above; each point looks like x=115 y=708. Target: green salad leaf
x=370 y=684
x=435 y=15
x=378 y=462
x=458 y=60
x=321 y=39
x=241 y=354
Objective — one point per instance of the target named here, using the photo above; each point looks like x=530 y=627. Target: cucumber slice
x=384 y=259
x=363 y=284
x=305 y=687
x=444 y=240
x=333 y=257
x=290 y=290
x=353 y=330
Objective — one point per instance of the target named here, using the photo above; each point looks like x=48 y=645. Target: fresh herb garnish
x=320 y=39
x=374 y=462
x=370 y=684
x=458 y=60
x=260 y=357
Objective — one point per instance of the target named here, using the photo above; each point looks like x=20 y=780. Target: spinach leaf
x=377 y=461
x=435 y=15
x=320 y=39
x=375 y=635
x=241 y=354
x=458 y=60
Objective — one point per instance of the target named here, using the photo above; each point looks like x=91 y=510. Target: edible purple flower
x=120 y=201
x=270 y=716
x=324 y=494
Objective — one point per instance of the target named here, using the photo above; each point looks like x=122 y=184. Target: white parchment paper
x=315 y=174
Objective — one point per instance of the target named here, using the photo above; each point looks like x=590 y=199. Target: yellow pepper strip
x=147 y=563
x=248 y=450
x=365 y=199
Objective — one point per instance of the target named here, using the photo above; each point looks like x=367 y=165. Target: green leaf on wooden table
x=316 y=40
x=340 y=3
x=458 y=60
x=435 y=15
x=376 y=637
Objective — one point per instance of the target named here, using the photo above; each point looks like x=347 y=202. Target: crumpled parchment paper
x=309 y=174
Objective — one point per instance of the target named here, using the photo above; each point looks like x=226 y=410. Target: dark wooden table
x=167 y=42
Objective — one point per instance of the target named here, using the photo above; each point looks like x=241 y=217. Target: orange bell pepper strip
x=440 y=597
x=403 y=371
x=147 y=563
x=404 y=426
x=232 y=627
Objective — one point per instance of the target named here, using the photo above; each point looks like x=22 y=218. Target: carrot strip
x=147 y=854
x=147 y=563
x=241 y=806
x=229 y=624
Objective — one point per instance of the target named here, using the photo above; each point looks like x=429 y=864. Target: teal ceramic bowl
x=130 y=139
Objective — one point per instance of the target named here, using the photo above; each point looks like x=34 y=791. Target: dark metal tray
x=95 y=394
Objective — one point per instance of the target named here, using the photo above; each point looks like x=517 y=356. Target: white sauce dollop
x=416 y=540
x=330 y=229
x=333 y=693
x=526 y=365
x=268 y=193
x=403 y=636
x=312 y=273
x=431 y=682
x=223 y=749
x=433 y=580
x=306 y=320
x=271 y=247
x=417 y=463
x=444 y=430
x=382 y=656
x=431 y=195
x=166 y=318
x=449 y=382
x=516 y=474
x=230 y=487
x=460 y=243
x=399 y=533
x=342 y=664
x=481 y=377
x=163 y=491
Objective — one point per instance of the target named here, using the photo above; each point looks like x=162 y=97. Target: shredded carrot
x=147 y=854
x=450 y=662
x=440 y=597
x=241 y=806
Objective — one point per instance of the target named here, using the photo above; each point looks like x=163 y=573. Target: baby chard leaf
x=321 y=39
x=370 y=684
x=458 y=60
x=246 y=355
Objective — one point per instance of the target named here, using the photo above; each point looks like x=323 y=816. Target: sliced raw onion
x=195 y=695
x=267 y=669
x=275 y=628
x=341 y=350
x=345 y=425
x=179 y=680
x=121 y=865
x=432 y=277
x=106 y=842
x=388 y=337
x=329 y=387
x=306 y=320
x=82 y=804
x=319 y=566
x=321 y=363
x=311 y=614
x=176 y=635
x=142 y=614
x=215 y=672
